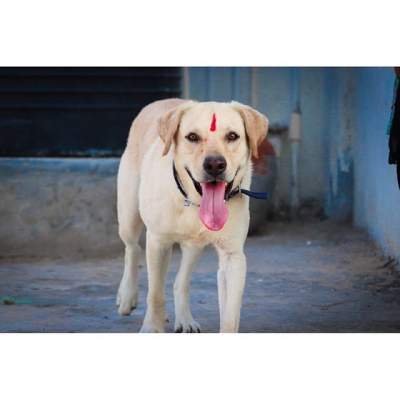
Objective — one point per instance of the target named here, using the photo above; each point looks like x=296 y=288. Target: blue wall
x=376 y=194
x=340 y=131
x=360 y=184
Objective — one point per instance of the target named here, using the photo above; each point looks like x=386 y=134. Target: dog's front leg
x=158 y=254
x=184 y=321
x=231 y=281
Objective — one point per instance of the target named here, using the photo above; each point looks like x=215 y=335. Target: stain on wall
x=340 y=120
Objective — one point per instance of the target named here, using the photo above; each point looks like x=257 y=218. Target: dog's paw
x=149 y=327
x=126 y=301
x=186 y=325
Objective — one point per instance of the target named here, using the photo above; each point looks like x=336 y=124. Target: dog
x=181 y=176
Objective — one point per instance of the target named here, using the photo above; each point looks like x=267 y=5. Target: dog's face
x=211 y=142
x=214 y=143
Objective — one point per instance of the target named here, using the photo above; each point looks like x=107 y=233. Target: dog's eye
x=232 y=136
x=193 y=137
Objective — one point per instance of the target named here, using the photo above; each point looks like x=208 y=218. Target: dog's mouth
x=198 y=185
x=213 y=209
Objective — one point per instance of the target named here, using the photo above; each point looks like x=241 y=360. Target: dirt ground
x=302 y=277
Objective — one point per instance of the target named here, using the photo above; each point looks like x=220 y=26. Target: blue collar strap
x=249 y=193
x=255 y=195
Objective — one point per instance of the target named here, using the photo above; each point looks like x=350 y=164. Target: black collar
x=234 y=192
x=178 y=181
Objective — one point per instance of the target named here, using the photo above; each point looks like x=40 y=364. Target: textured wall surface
x=58 y=207
x=360 y=185
x=340 y=120
x=376 y=194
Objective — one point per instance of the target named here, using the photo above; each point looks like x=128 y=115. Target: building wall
x=340 y=131
x=360 y=184
x=376 y=194
x=58 y=207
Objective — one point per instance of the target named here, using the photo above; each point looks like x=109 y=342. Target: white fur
x=147 y=195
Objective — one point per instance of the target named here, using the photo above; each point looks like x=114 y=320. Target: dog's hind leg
x=130 y=229
x=184 y=321
x=128 y=290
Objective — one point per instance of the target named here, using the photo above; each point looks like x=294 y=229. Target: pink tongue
x=213 y=210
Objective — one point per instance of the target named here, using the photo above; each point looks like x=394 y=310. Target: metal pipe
x=295 y=138
x=186 y=83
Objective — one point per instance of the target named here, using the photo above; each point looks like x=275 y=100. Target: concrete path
x=314 y=277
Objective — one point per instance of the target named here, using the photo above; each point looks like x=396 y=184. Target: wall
x=360 y=184
x=58 y=207
x=340 y=131
x=272 y=91
x=376 y=194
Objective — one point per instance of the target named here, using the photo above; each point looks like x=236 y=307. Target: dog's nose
x=214 y=165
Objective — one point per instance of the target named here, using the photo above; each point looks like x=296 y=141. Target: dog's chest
x=186 y=224
x=179 y=223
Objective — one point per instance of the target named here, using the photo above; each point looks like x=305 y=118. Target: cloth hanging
x=394 y=128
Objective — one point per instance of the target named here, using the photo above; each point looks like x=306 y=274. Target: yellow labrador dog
x=181 y=175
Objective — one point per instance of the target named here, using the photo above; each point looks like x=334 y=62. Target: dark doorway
x=76 y=111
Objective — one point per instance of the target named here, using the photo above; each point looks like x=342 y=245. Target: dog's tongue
x=213 y=210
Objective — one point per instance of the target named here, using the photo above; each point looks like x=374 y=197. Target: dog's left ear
x=168 y=124
x=256 y=125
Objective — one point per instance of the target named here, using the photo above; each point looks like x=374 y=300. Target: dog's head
x=214 y=143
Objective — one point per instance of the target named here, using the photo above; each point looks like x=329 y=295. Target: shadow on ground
x=314 y=277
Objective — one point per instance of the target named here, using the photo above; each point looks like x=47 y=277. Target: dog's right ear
x=168 y=124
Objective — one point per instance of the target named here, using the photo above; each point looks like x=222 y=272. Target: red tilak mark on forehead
x=213 y=125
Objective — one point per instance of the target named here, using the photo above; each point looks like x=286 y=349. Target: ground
x=302 y=277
